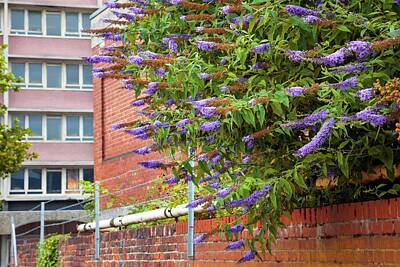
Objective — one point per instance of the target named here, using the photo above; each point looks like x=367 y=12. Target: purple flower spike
x=398 y=2
x=208 y=112
x=224 y=192
x=295 y=91
x=204 y=76
x=117 y=126
x=170 y=102
x=248 y=256
x=142 y=150
x=350 y=68
x=311 y=19
x=346 y=84
x=260 y=48
x=139 y=130
x=296 y=56
x=172 y=46
x=152 y=85
x=175 y=2
x=215 y=158
x=369 y=115
x=111 y=4
x=223 y=61
x=235 y=245
x=199 y=29
x=171 y=180
x=200 y=238
x=318 y=140
x=334 y=59
x=212 y=126
x=182 y=123
x=196 y=202
x=151 y=164
x=249 y=141
x=99 y=59
x=226 y=10
x=138 y=103
x=236 y=228
x=205 y=45
x=360 y=48
x=366 y=94
x=256 y=196
x=301 y=11
x=210 y=139
x=252 y=102
x=137 y=60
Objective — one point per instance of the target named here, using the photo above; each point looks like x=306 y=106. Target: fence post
x=190 y=237
x=97 y=214
x=42 y=208
x=14 y=242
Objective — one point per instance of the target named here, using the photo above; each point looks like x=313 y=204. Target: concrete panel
x=63 y=3
x=51 y=100
x=73 y=153
x=46 y=47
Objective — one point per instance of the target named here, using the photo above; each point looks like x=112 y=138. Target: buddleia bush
x=256 y=100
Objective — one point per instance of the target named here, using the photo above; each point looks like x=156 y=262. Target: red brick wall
x=115 y=166
x=358 y=234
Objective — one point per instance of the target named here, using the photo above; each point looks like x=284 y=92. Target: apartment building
x=45 y=48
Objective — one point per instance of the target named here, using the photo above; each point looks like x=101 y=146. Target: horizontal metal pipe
x=152 y=215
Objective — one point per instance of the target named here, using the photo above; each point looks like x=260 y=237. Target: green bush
x=50 y=253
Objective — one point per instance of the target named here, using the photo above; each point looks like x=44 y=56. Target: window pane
x=72 y=74
x=35 y=125
x=35 y=21
x=71 y=22
x=54 y=76
x=53 y=21
x=73 y=179
x=88 y=175
x=21 y=120
x=17 y=19
x=86 y=21
x=35 y=73
x=53 y=182
x=53 y=128
x=18 y=69
x=87 y=126
x=87 y=75
x=35 y=179
x=73 y=126
x=17 y=180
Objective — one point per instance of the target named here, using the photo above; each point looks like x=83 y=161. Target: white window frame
x=43 y=86
x=34 y=139
x=43 y=33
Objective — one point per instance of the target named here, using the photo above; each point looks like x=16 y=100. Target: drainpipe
x=141 y=217
x=6 y=42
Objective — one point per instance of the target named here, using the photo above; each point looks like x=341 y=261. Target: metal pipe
x=14 y=242
x=97 y=214
x=42 y=208
x=141 y=217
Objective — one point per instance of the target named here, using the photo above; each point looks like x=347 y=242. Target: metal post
x=42 y=207
x=14 y=242
x=97 y=231
x=190 y=238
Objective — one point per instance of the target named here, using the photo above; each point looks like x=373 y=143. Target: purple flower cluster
x=142 y=150
x=196 y=202
x=99 y=59
x=208 y=112
x=204 y=76
x=249 y=200
x=111 y=4
x=224 y=192
x=360 y=48
x=226 y=10
x=311 y=19
x=245 y=19
x=334 y=59
x=295 y=91
x=235 y=245
x=261 y=48
x=159 y=72
x=200 y=238
x=307 y=121
x=248 y=256
x=138 y=103
x=346 y=84
x=366 y=94
x=237 y=228
x=318 y=140
x=350 y=68
x=172 y=180
x=370 y=115
x=137 y=60
x=211 y=126
x=301 y=11
x=117 y=126
x=249 y=141
x=111 y=36
x=151 y=164
x=295 y=55
x=205 y=45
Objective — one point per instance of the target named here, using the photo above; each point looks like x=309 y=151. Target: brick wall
x=358 y=234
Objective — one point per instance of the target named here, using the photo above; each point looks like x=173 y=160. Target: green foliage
x=13 y=148
x=50 y=253
x=88 y=190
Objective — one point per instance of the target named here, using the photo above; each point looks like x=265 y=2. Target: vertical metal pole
x=6 y=55
x=97 y=231
x=190 y=238
x=14 y=242
x=42 y=208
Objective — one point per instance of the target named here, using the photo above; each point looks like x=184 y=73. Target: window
x=18 y=120
x=35 y=22
x=72 y=75
x=18 y=69
x=87 y=128
x=34 y=181
x=53 y=76
x=85 y=21
x=72 y=24
x=88 y=175
x=53 y=22
x=35 y=126
x=53 y=181
x=18 y=181
x=17 y=21
x=72 y=180
x=35 y=75
x=87 y=76
x=54 y=128
x=73 y=128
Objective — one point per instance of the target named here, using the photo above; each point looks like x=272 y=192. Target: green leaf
x=343 y=28
x=343 y=164
x=299 y=179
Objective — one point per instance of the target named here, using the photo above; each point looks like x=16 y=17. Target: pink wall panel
x=49 y=47
x=63 y=151
x=51 y=99
x=68 y=3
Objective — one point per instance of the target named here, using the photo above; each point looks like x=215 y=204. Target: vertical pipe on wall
x=42 y=208
x=190 y=238
x=14 y=242
x=97 y=231
x=6 y=42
